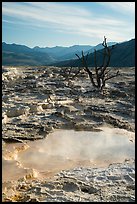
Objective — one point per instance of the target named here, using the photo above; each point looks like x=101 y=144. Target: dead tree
x=101 y=75
x=70 y=73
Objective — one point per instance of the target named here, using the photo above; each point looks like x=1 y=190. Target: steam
x=64 y=149
x=62 y=145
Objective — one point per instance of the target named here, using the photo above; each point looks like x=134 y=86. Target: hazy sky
x=67 y=23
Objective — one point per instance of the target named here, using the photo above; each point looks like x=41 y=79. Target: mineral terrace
x=38 y=100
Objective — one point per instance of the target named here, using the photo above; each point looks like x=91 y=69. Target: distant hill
x=99 y=47
x=63 y=53
x=33 y=58
x=13 y=54
x=123 y=55
x=15 y=48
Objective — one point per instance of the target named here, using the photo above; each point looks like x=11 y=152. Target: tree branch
x=110 y=77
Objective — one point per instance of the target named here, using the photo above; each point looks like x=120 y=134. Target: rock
x=5 y=119
x=47 y=105
x=114 y=178
x=15 y=112
x=5 y=98
x=129 y=178
x=35 y=108
x=70 y=186
x=89 y=189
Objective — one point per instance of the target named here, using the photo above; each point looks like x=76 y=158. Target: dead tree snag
x=101 y=74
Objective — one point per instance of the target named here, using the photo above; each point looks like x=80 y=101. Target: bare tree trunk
x=101 y=75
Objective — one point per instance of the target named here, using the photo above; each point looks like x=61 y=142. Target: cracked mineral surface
x=40 y=101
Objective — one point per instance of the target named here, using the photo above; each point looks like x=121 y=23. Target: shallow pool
x=64 y=149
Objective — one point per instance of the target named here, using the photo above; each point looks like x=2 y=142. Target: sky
x=49 y=24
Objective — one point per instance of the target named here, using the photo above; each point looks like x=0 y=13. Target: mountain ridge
x=15 y=54
x=123 y=55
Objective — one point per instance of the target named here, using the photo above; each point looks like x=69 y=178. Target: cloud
x=122 y=7
x=70 y=19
